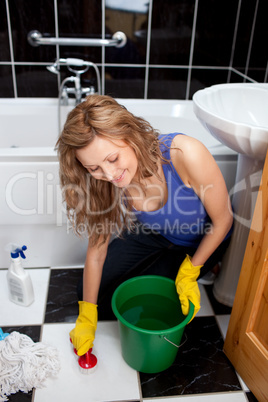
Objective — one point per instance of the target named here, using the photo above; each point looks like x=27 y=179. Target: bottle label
x=16 y=291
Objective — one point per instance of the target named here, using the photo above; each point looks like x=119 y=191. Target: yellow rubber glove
x=83 y=334
x=187 y=286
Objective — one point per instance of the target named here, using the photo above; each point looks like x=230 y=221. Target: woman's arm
x=93 y=270
x=198 y=170
x=83 y=334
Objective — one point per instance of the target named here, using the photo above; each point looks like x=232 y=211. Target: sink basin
x=236 y=115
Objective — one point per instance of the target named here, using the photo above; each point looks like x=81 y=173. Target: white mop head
x=25 y=364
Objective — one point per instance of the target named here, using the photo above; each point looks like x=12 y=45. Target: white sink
x=236 y=115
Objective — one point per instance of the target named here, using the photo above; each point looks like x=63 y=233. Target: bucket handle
x=174 y=344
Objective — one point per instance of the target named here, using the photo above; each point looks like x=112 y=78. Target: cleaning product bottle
x=19 y=281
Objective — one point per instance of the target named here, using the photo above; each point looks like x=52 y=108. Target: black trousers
x=143 y=252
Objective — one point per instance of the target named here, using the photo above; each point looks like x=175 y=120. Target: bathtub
x=31 y=209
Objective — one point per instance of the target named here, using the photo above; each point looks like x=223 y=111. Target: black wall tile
x=4 y=40
x=135 y=25
x=215 y=28
x=171 y=32
x=243 y=33
x=235 y=77
x=251 y=49
x=257 y=74
x=36 y=81
x=167 y=83
x=131 y=53
x=124 y=82
x=80 y=19
x=6 y=82
x=27 y=16
x=259 y=51
x=201 y=78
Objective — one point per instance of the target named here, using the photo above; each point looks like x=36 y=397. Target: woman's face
x=109 y=161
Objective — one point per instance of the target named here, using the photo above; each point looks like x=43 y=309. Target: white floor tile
x=219 y=397
x=113 y=379
x=13 y=314
x=206 y=308
x=223 y=322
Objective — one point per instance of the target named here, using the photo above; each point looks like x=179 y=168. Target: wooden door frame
x=243 y=348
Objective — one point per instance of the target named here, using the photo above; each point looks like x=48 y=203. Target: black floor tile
x=21 y=397
x=251 y=397
x=32 y=331
x=219 y=309
x=62 y=301
x=200 y=365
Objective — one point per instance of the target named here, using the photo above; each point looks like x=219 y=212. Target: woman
x=164 y=196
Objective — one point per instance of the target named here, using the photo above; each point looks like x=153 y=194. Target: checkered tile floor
x=200 y=373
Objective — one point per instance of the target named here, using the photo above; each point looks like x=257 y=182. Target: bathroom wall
x=174 y=47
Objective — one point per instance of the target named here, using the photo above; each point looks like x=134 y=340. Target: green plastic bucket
x=151 y=322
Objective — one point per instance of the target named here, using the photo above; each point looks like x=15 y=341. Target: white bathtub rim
x=28 y=154
x=173 y=115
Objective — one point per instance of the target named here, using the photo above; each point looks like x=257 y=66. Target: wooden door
x=246 y=343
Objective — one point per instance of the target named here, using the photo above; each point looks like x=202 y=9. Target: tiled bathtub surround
x=174 y=47
x=201 y=372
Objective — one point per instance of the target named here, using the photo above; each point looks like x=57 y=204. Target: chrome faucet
x=78 y=67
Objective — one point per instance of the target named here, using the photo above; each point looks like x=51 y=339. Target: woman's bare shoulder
x=190 y=158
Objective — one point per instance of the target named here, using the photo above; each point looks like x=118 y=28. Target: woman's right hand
x=83 y=334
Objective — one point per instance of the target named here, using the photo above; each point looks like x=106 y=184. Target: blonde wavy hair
x=96 y=207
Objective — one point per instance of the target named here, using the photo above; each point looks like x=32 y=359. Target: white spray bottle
x=19 y=281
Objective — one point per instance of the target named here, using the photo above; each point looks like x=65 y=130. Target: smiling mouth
x=118 y=179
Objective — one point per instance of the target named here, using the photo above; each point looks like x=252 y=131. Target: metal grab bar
x=35 y=38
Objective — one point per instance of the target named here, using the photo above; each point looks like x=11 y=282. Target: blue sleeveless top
x=183 y=220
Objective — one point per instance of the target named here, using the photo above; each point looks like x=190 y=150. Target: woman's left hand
x=187 y=286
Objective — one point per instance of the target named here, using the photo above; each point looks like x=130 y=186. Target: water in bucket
x=152 y=312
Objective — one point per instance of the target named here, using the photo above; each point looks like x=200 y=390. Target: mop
x=24 y=364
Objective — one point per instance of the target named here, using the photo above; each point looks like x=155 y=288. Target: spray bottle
x=19 y=281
